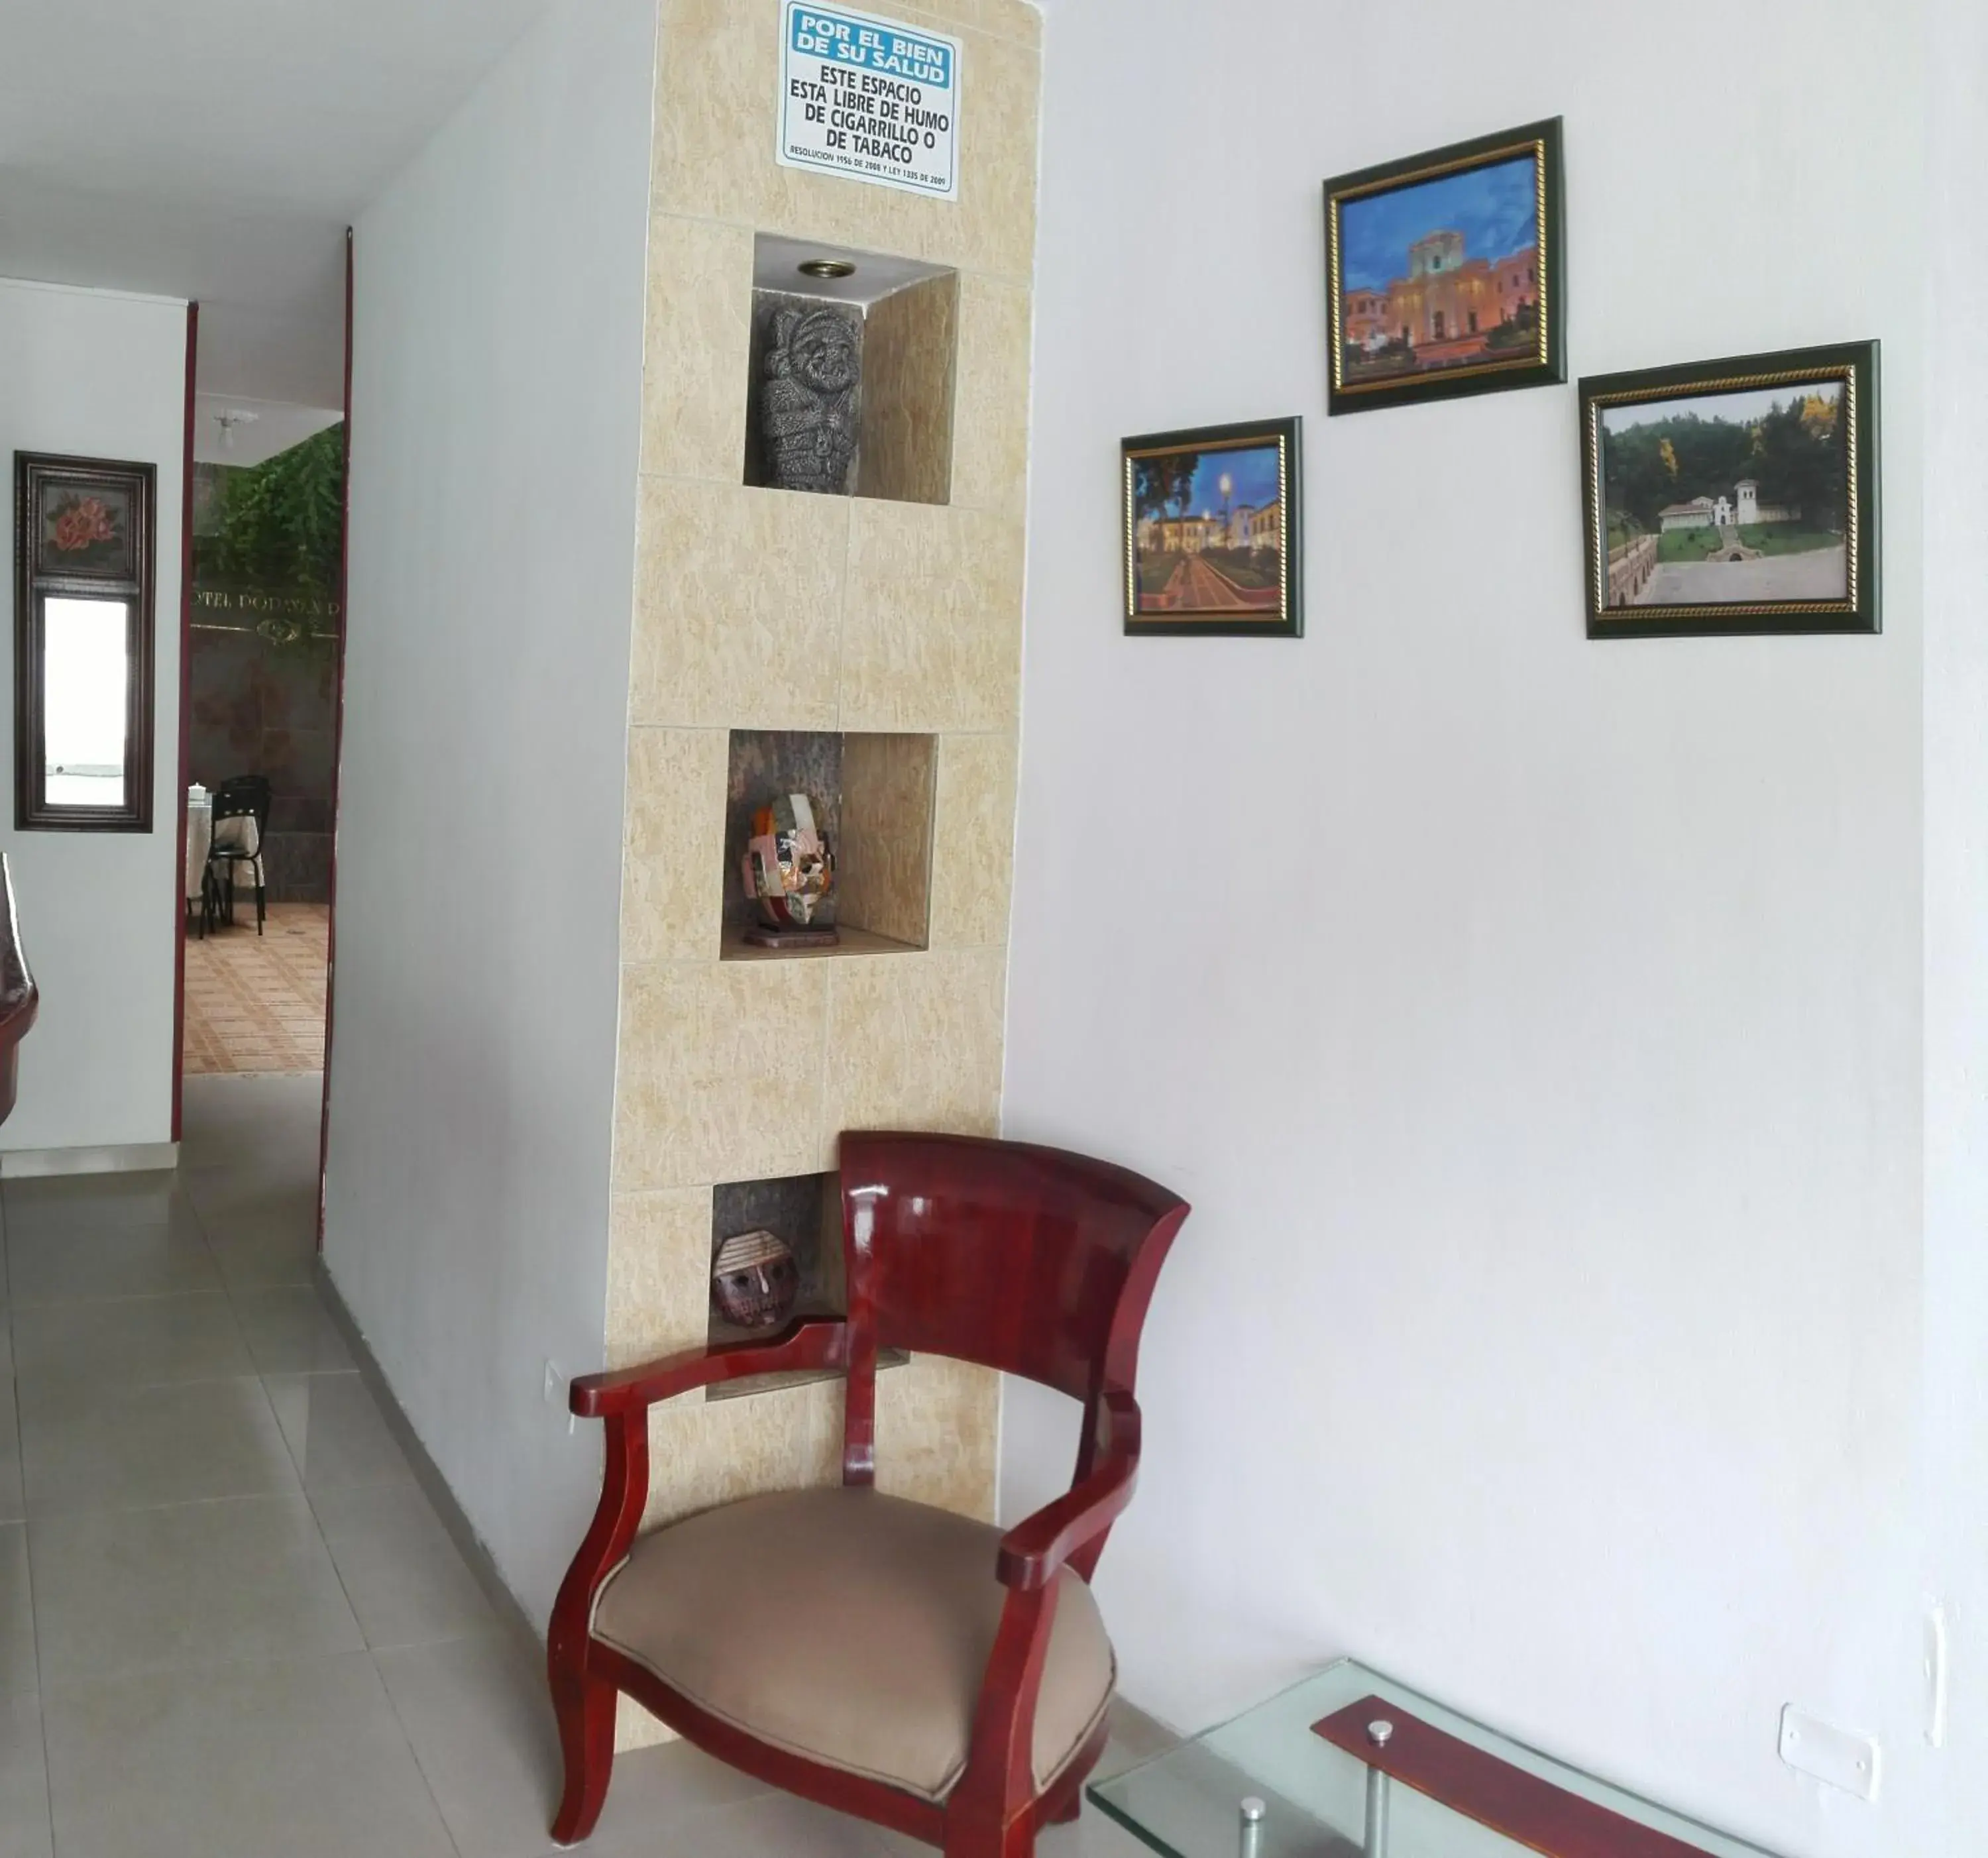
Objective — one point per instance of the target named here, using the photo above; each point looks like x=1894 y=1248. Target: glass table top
x=1315 y=1797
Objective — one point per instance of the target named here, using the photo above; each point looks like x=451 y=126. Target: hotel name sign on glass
x=870 y=100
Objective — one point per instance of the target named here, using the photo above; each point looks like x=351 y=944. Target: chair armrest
x=805 y=1345
x=1034 y=1549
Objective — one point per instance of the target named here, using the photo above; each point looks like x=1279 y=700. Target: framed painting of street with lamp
x=1211 y=531
x=1443 y=272
x=1735 y=496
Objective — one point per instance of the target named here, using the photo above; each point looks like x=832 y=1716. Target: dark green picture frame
x=1542 y=362
x=1624 y=579
x=1277 y=594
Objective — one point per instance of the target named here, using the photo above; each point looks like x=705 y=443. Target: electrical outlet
x=1832 y=1755
x=554 y=1392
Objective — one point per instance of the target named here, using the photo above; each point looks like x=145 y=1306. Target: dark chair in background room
x=910 y=1666
x=241 y=827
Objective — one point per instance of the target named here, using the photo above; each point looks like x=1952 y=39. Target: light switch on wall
x=554 y=1391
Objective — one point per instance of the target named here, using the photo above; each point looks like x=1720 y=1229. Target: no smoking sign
x=868 y=98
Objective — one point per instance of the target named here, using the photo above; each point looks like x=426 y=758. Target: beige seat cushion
x=850 y=1627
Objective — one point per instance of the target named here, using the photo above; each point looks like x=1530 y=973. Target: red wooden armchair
x=916 y=1669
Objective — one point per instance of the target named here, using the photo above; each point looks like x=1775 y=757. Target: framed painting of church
x=1211 y=531
x=1445 y=273
x=1734 y=496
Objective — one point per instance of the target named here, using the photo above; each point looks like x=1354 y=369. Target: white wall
x=496 y=402
x=1955 y=1457
x=1536 y=1023
x=102 y=375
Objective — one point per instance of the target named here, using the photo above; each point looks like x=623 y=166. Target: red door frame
x=337 y=756
x=186 y=719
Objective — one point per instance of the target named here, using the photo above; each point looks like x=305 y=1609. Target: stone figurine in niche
x=789 y=871
x=754 y=1280
x=808 y=410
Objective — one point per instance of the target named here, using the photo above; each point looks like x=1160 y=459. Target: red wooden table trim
x=1471 y=1781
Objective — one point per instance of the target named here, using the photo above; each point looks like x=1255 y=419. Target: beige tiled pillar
x=759 y=608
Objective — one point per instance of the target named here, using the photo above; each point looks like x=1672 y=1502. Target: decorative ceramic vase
x=754 y=1280
x=808 y=409
x=790 y=866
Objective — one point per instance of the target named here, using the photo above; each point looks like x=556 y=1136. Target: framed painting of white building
x=1734 y=496
x=1443 y=272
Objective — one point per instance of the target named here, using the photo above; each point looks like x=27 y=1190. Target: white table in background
x=200 y=836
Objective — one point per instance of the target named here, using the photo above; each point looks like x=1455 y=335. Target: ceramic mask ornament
x=790 y=865
x=807 y=415
x=754 y=1280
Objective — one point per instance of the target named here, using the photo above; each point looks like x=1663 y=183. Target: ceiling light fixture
x=826 y=267
x=229 y=419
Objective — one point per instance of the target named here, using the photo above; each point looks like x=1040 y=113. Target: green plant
x=281 y=523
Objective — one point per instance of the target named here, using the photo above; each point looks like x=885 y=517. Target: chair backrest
x=244 y=796
x=1034 y=1261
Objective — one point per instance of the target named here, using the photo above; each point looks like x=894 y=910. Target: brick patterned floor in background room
x=256 y=1003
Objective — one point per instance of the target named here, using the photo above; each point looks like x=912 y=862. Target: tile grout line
x=27 y=1545
x=414 y=1754
x=372 y=1651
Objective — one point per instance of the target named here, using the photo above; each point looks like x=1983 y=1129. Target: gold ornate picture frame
x=1212 y=519
x=1446 y=274
x=1733 y=497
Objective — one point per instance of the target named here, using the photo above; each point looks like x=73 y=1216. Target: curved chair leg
x=1065 y=1806
x=585 y=1707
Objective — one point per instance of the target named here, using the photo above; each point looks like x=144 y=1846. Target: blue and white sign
x=870 y=100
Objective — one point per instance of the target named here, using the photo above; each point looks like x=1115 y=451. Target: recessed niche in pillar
x=872 y=798
x=804 y=1211
x=850 y=388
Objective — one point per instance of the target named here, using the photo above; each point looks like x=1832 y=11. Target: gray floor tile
x=659 y=1786
x=335 y=1431
x=255 y=1257
x=302 y=1758
x=477 y=1712
x=187 y=1584
x=133 y=1341
x=253 y=1120
x=288 y=1331
x=98 y=1202
x=6 y=1345
x=93 y=1263
x=267 y=1197
x=17 y=1616
x=23 y=1784
x=86 y=1447
x=771 y=1823
x=1094 y=1835
x=401 y=1572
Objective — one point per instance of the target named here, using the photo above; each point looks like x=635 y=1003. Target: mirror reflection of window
x=85 y=671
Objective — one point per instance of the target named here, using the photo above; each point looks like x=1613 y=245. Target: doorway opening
x=262 y=704
x=262 y=669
